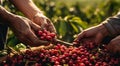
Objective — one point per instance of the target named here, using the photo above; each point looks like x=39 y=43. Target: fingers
x=35 y=27
x=114 y=46
x=80 y=36
x=51 y=26
x=24 y=40
x=44 y=22
x=35 y=40
x=111 y=48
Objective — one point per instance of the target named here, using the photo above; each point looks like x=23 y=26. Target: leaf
x=63 y=28
x=68 y=17
x=57 y=24
x=13 y=42
x=75 y=28
x=79 y=27
x=69 y=27
x=78 y=21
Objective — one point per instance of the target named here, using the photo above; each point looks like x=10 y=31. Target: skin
x=25 y=28
x=32 y=12
x=114 y=45
x=44 y=22
x=96 y=34
x=22 y=27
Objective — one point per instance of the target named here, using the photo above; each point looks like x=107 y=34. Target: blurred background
x=69 y=17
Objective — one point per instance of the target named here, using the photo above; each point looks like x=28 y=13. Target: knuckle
x=111 y=43
x=84 y=31
x=37 y=42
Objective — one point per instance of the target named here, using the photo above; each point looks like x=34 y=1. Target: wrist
x=35 y=15
x=31 y=14
x=5 y=15
x=103 y=30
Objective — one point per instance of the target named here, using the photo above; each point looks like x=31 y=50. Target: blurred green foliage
x=70 y=17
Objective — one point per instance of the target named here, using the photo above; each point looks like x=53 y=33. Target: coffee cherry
x=60 y=55
x=46 y=35
x=82 y=64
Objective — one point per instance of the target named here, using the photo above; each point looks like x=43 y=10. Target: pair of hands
x=25 y=29
x=96 y=35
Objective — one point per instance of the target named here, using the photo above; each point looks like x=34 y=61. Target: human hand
x=31 y=11
x=94 y=34
x=25 y=30
x=44 y=22
x=22 y=27
x=114 y=45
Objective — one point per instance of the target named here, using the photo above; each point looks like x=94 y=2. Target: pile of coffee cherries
x=59 y=55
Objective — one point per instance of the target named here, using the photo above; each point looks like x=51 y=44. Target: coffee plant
x=85 y=54
x=68 y=21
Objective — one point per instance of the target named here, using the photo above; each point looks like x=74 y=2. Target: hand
x=93 y=34
x=114 y=45
x=44 y=22
x=25 y=30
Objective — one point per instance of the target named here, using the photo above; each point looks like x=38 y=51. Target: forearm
x=0 y=1
x=4 y=14
x=113 y=25
x=27 y=7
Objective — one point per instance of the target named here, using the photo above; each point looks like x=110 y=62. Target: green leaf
x=13 y=42
x=75 y=28
x=57 y=24
x=68 y=17
x=63 y=28
x=78 y=21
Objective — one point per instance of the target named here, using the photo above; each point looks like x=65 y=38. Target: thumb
x=110 y=47
x=51 y=26
x=35 y=27
x=80 y=36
